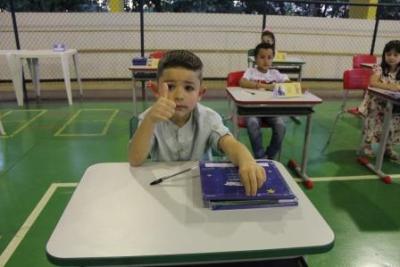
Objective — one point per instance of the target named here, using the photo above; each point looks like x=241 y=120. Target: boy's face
x=264 y=59
x=184 y=89
x=267 y=39
x=392 y=58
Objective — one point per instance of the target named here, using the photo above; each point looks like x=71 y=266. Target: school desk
x=288 y=65
x=15 y=60
x=141 y=73
x=392 y=98
x=258 y=103
x=115 y=217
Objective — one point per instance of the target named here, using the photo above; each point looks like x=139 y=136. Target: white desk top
x=245 y=96
x=115 y=214
x=288 y=60
x=387 y=94
x=38 y=53
x=143 y=68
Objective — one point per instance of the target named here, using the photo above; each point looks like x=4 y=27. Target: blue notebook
x=222 y=188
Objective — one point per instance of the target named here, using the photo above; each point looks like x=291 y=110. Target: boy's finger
x=260 y=177
x=163 y=91
x=253 y=182
x=246 y=184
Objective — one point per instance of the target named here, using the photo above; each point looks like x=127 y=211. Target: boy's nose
x=178 y=93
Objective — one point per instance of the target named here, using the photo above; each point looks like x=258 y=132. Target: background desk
x=391 y=100
x=287 y=66
x=15 y=60
x=247 y=102
x=141 y=73
x=116 y=217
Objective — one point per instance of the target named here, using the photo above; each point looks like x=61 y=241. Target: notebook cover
x=287 y=90
x=220 y=181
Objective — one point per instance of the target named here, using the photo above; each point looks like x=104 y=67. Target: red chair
x=354 y=79
x=363 y=58
x=157 y=54
x=232 y=80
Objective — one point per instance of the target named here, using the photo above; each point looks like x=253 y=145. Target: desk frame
x=141 y=73
x=387 y=118
x=15 y=60
x=121 y=219
x=277 y=107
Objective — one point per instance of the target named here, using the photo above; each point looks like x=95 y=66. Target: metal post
x=141 y=28
x=264 y=16
x=377 y=15
x=15 y=28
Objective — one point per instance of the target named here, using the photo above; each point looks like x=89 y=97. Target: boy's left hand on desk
x=252 y=176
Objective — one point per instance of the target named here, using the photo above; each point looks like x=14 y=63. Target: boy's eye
x=189 y=88
x=171 y=87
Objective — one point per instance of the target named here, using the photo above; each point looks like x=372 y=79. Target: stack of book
x=222 y=189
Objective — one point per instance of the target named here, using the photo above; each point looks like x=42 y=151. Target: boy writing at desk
x=263 y=78
x=178 y=128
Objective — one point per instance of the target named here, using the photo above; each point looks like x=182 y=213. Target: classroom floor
x=49 y=145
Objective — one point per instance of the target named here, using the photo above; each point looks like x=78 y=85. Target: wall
x=108 y=41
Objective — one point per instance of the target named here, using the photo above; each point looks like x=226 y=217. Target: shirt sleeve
x=218 y=130
x=141 y=117
x=280 y=77
x=248 y=74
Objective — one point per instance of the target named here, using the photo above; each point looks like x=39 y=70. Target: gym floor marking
x=74 y=117
x=24 y=125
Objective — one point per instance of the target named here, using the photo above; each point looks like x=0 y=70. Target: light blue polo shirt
x=192 y=141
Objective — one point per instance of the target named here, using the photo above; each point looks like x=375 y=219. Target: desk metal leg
x=76 y=67
x=235 y=121
x=67 y=77
x=2 y=131
x=301 y=171
x=135 y=108
x=377 y=169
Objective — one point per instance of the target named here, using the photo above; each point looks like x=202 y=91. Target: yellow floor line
x=23 y=230
x=42 y=111
x=103 y=132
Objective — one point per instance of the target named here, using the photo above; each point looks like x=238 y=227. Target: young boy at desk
x=178 y=128
x=263 y=78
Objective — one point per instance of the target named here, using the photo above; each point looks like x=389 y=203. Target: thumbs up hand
x=164 y=108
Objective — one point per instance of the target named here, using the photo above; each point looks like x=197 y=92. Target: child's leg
x=278 y=133
x=255 y=136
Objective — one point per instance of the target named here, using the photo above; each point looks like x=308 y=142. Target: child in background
x=268 y=37
x=386 y=76
x=178 y=128
x=263 y=78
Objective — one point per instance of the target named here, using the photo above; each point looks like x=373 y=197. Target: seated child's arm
x=252 y=175
x=256 y=85
x=375 y=81
x=162 y=110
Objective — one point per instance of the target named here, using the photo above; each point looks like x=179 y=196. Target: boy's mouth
x=180 y=107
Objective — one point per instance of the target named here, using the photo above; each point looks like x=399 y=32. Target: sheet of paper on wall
x=287 y=90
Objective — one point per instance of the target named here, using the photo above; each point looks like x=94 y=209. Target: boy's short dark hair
x=180 y=59
x=268 y=33
x=263 y=46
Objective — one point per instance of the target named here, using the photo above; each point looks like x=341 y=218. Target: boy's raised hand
x=164 y=108
x=252 y=176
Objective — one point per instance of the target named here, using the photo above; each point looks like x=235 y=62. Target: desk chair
x=353 y=79
x=363 y=58
x=157 y=54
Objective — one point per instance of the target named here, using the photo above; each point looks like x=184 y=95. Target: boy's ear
x=202 y=91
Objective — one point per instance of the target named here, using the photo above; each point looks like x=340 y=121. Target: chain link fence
x=321 y=34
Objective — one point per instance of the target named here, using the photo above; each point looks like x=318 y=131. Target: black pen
x=250 y=92
x=159 y=180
